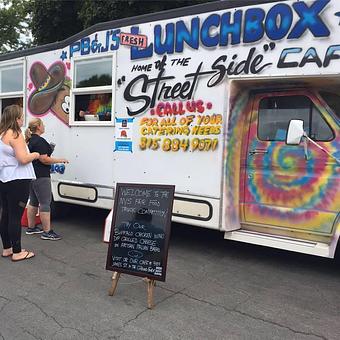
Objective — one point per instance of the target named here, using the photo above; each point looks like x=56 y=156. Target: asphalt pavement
x=215 y=289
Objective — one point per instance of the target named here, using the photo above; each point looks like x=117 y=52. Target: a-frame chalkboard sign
x=140 y=232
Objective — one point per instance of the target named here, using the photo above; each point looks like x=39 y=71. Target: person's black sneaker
x=34 y=230
x=51 y=235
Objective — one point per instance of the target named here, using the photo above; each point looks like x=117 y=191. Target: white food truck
x=236 y=103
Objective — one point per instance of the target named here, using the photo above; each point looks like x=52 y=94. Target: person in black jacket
x=40 y=190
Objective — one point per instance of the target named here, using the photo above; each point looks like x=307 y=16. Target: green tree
x=14 y=25
x=92 y=12
x=54 y=20
x=102 y=80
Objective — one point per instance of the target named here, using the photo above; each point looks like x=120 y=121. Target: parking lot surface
x=215 y=289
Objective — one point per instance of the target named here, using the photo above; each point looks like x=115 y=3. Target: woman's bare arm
x=51 y=160
x=20 y=149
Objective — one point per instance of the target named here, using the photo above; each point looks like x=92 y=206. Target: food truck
x=236 y=103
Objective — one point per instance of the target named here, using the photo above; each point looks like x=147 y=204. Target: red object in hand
x=24 y=219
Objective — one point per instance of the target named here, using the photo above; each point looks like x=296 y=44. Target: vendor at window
x=98 y=107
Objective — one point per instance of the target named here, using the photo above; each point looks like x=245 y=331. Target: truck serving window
x=92 y=90
x=276 y=112
x=333 y=101
x=11 y=85
x=11 y=101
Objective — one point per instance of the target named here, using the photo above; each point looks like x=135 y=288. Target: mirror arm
x=305 y=145
x=317 y=145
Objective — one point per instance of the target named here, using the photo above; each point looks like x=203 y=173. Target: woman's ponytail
x=32 y=128
x=28 y=134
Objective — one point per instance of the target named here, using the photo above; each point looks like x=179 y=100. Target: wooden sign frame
x=167 y=229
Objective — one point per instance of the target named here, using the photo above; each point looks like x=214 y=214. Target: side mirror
x=295 y=132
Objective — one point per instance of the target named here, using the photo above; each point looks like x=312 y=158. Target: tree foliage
x=14 y=25
x=54 y=20
x=93 y=12
x=96 y=80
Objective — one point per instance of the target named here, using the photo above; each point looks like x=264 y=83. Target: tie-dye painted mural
x=239 y=102
x=282 y=188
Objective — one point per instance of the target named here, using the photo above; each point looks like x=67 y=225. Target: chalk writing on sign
x=140 y=230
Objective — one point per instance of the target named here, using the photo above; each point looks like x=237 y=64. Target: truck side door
x=282 y=189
